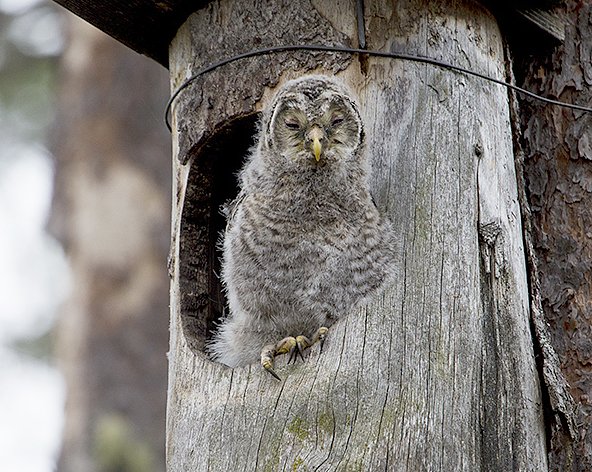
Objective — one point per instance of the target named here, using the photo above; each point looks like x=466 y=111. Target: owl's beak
x=316 y=135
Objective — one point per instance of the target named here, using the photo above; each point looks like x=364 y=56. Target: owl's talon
x=303 y=343
x=295 y=352
x=294 y=346
x=293 y=355
x=320 y=337
x=272 y=372
x=268 y=354
x=299 y=352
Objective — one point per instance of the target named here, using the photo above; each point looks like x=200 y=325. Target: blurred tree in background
x=111 y=212
x=33 y=270
x=101 y=106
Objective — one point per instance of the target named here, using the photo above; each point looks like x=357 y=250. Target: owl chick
x=304 y=241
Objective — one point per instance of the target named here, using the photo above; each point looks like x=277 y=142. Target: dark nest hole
x=211 y=182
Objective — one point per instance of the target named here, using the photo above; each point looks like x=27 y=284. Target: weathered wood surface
x=437 y=372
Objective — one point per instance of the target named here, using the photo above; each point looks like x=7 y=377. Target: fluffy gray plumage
x=304 y=241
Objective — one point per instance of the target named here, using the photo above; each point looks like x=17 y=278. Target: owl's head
x=313 y=121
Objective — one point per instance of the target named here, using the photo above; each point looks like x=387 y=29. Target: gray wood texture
x=437 y=372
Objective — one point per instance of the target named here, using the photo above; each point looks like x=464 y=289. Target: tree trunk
x=110 y=211
x=557 y=169
x=437 y=372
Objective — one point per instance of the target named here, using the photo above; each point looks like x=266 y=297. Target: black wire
x=343 y=49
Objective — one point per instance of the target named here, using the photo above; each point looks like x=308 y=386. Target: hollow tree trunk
x=437 y=371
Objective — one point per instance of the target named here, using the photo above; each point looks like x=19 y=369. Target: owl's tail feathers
x=233 y=345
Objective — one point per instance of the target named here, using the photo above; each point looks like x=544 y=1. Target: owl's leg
x=295 y=346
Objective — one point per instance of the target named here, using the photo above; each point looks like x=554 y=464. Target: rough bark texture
x=559 y=175
x=437 y=372
x=111 y=212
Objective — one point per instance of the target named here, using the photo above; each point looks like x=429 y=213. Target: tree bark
x=437 y=372
x=557 y=169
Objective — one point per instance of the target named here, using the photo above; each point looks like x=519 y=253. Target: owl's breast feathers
x=304 y=253
x=312 y=211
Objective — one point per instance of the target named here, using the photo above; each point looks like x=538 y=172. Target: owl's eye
x=336 y=120
x=292 y=124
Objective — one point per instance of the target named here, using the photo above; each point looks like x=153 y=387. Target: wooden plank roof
x=146 y=26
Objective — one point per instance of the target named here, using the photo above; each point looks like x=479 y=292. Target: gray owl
x=304 y=242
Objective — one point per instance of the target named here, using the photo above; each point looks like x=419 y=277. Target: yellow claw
x=295 y=346
x=285 y=345
x=267 y=357
x=320 y=334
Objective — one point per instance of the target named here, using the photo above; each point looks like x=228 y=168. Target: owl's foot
x=295 y=346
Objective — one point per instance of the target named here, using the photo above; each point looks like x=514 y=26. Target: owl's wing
x=229 y=209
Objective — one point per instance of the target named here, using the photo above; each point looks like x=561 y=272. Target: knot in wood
x=488 y=232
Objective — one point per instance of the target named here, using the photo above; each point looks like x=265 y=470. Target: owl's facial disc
x=315 y=129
